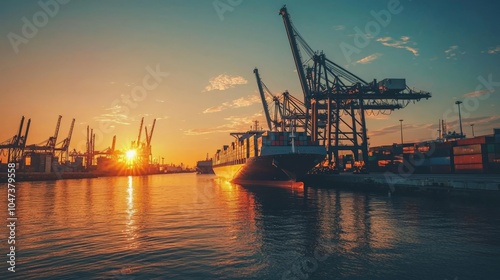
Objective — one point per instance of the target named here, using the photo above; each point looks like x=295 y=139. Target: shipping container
x=492 y=157
x=392 y=85
x=440 y=169
x=476 y=140
x=468 y=159
x=467 y=149
x=471 y=168
x=434 y=161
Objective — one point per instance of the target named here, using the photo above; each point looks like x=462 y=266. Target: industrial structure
x=336 y=100
x=53 y=156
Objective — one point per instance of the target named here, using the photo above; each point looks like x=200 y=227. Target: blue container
x=439 y=161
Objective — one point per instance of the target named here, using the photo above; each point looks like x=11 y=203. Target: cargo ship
x=267 y=157
x=204 y=166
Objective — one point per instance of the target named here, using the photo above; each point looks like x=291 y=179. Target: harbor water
x=188 y=226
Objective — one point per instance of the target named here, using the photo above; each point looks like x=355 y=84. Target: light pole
x=472 y=126
x=460 y=118
x=401 y=121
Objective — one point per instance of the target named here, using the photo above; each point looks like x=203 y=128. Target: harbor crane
x=50 y=143
x=286 y=109
x=336 y=100
x=64 y=144
x=15 y=146
x=147 y=150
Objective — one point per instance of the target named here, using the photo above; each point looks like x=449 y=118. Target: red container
x=470 y=168
x=468 y=159
x=475 y=140
x=467 y=149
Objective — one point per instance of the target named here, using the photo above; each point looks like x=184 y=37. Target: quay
x=392 y=183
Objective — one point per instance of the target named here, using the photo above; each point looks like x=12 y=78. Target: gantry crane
x=336 y=100
x=64 y=144
x=15 y=146
x=286 y=110
x=50 y=144
x=147 y=148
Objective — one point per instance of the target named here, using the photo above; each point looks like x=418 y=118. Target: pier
x=453 y=184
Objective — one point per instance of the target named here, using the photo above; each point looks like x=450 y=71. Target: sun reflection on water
x=131 y=228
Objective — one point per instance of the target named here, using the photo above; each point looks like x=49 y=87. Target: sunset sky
x=189 y=64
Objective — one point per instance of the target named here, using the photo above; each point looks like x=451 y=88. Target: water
x=189 y=226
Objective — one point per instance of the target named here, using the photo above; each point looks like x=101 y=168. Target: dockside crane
x=263 y=98
x=286 y=108
x=64 y=144
x=138 y=143
x=15 y=146
x=336 y=100
x=51 y=143
x=147 y=149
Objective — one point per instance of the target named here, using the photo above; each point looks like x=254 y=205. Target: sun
x=131 y=155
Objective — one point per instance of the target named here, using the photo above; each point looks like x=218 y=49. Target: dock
x=452 y=184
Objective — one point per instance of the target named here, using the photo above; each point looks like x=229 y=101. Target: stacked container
x=440 y=158
x=471 y=155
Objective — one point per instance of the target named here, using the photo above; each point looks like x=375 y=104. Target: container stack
x=471 y=155
x=439 y=158
x=273 y=138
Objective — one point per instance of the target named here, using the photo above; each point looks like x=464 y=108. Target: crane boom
x=70 y=133
x=51 y=143
x=18 y=136
x=151 y=133
x=140 y=131
x=113 y=144
x=296 y=54
x=263 y=98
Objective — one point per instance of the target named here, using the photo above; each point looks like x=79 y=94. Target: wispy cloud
x=487 y=121
x=114 y=115
x=403 y=43
x=338 y=27
x=214 y=109
x=476 y=93
x=493 y=50
x=223 y=82
x=397 y=128
x=376 y=116
x=452 y=52
x=237 y=103
x=368 y=59
x=234 y=124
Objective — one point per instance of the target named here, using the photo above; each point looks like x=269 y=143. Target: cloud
x=489 y=121
x=245 y=101
x=223 y=82
x=368 y=59
x=234 y=124
x=492 y=50
x=476 y=93
x=397 y=128
x=453 y=52
x=376 y=116
x=399 y=44
x=237 y=103
x=214 y=109
x=114 y=115
x=339 y=27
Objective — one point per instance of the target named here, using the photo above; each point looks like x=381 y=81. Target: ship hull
x=204 y=167
x=270 y=168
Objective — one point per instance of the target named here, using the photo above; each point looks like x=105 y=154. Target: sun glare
x=131 y=154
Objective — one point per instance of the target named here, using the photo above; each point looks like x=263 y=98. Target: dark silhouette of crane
x=336 y=100
x=15 y=146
